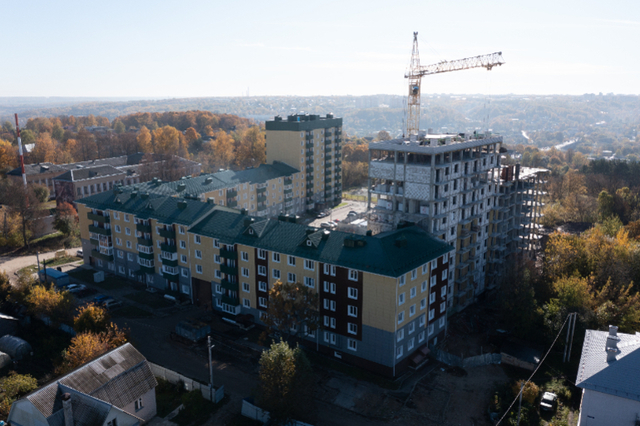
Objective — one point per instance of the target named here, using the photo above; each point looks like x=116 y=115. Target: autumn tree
x=383 y=135
x=87 y=346
x=293 y=310
x=92 y=318
x=66 y=219
x=43 y=301
x=8 y=156
x=286 y=385
x=44 y=150
x=144 y=140
x=191 y=136
x=41 y=192
x=529 y=393
x=251 y=150
x=166 y=140
x=606 y=205
x=26 y=207
x=219 y=152
x=13 y=386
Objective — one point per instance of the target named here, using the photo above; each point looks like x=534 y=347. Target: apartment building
x=382 y=297
x=453 y=186
x=312 y=144
x=267 y=190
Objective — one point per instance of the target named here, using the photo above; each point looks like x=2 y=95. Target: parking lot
x=340 y=213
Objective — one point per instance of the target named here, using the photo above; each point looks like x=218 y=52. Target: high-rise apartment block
x=313 y=145
x=453 y=186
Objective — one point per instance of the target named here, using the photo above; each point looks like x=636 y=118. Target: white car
x=548 y=401
x=75 y=288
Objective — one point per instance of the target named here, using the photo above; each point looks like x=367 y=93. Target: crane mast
x=416 y=72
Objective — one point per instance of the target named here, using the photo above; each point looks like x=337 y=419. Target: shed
x=60 y=279
x=15 y=347
x=520 y=355
x=8 y=324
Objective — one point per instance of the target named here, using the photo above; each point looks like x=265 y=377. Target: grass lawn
x=109 y=283
x=154 y=301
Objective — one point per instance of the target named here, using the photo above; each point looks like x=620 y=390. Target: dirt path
x=10 y=264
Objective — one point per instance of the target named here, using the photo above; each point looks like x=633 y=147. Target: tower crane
x=416 y=72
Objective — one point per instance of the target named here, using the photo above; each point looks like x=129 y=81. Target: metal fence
x=189 y=383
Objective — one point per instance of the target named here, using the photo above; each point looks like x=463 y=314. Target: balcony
x=309 y=162
x=328 y=158
x=147 y=269
x=261 y=207
x=145 y=242
x=94 y=241
x=229 y=254
x=98 y=230
x=327 y=180
x=98 y=218
x=261 y=190
x=145 y=229
x=143 y=255
x=169 y=248
x=309 y=185
x=229 y=270
x=168 y=262
x=167 y=233
x=288 y=181
x=309 y=144
x=288 y=191
x=233 y=301
x=231 y=193
x=262 y=198
x=327 y=150
x=328 y=134
x=228 y=285
x=97 y=255
x=232 y=203
x=309 y=171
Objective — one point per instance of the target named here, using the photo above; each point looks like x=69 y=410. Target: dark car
x=101 y=298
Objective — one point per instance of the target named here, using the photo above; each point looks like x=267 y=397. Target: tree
x=87 y=346
x=119 y=127
x=11 y=387
x=43 y=301
x=92 y=318
x=166 y=140
x=8 y=155
x=44 y=150
x=606 y=205
x=285 y=387
x=25 y=205
x=529 y=393
x=292 y=309
x=66 y=219
x=383 y=135
x=219 y=152
x=251 y=151
x=191 y=135
x=144 y=140
x=41 y=192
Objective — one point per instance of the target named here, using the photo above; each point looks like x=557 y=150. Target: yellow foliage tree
x=44 y=151
x=529 y=393
x=8 y=155
x=219 y=152
x=144 y=140
x=251 y=151
x=87 y=346
x=166 y=140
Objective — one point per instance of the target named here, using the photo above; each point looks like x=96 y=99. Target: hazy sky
x=226 y=47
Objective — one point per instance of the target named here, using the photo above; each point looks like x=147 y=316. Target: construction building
x=382 y=298
x=312 y=144
x=453 y=186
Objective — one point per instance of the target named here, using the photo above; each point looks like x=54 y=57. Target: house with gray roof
x=116 y=389
x=609 y=376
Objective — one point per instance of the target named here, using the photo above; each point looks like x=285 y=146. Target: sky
x=176 y=49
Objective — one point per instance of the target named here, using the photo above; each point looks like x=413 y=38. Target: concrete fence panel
x=188 y=383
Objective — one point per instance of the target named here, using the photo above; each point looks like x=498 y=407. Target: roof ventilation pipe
x=67 y=410
x=612 y=344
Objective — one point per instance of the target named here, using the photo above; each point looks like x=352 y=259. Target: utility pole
x=520 y=401
x=566 y=343
x=573 y=328
x=38 y=268
x=210 y=346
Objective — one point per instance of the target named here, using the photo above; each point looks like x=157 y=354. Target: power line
x=534 y=372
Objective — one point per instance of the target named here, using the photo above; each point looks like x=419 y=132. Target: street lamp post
x=210 y=346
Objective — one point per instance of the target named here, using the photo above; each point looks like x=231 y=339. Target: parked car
x=352 y=213
x=333 y=223
x=76 y=288
x=322 y=214
x=549 y=401
x=101 y=298
x=325 y=225
x=79 y=253
x=112 y=304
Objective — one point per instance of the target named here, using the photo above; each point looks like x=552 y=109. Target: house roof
x=117 y=377
x=89 y=173
x=620 y=377
x=34 y=169
x=391 y=254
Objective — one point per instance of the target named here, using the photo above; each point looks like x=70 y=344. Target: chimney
x=68 y=412
x=612 y=344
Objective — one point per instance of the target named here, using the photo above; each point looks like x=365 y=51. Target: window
x=414 y=292
x=423 y=287
x=183 y=258
x=244 y=256
x=414 y=274
x=433 y=280
x=118 y=228
x=330 y=270
x=333 y=323
x=444 y=274
x=196 y=239
x=332 y=304
x=262 y=254
x=412 y=310
x=309 y=282
x=401 y=280
x=352 y=311
x=181 y=229
x=246 y=288
x=443 y=306
x=352 y=328
x=333 y=288
x=129 y=256
x=262 y=286
x=120 y=254
x=127 y=231
x=421 y=337
x=129 y=244
x=423 y=303
x=275 y=273
x=431 y=327
x=126 y=217
x=132 y=273
x=352 y=344
x=138 y=404
x=246 y=303
x=198 y=254
x=434 y=264
x=441 y=322
x=291 y=277
x=432 y=313
x=113 y=422
x=245 y=272
x=275 y=257
x=326 y=286
x=118 y=241
x=185 y=272
x=199 y=269
x=218 y=274
x=116 y=215
x=353 y=275
x=352 y=293
x=217 y=259
x=425 y=268
x=432 y=297
x=262 y=301
x=400 y=334
x=400 y=298
x=326 y=320
x=410 y=344
x=309 y=265
x=400 y=317
x=443 y=293
x=262 y=270
x=399 y=351
x=120 y=268
x=183 y=244
x=326 y=336
x=216 y=243
x=326 y=303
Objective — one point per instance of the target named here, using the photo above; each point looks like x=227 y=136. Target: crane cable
x=534 y=372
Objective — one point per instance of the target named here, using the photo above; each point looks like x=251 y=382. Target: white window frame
x=245 y=272
x=198 y=254
x=399 y=351
x=414 y=274
x=432 y=314
x=309 y=265
x=352 y=311
x=291 y=277
x=183 y=244
x=275 y=257
x=291 y=260
x=402 y=280
x=423 y=303
x=400 y=335
x=262 y=270
x=275 y=273
x=262 y=301
x=401 y=299
x=353 y=275
x=246 y=303
x=412 y=310
x=262 y=254
x=246 y=287
x=197 y=239
x=309 y=282
x=413 y=293
x=441 y=321
x=352 y=328
x=118 y=229
x=401 y=317
x=199 y=269
x=262 y=286
x=423 y=286
x=352 y=344
x=244 y=256
x=352 y=293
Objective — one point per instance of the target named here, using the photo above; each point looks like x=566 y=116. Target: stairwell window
x=353 y=275
x=352 y=293
x=262 y=286
x=399 y=351
x=196 y=239
x=352 y=344
x=262 y=254
x=352 y=328
x=352 y=311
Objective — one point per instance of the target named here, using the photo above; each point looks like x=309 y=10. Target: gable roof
x=117 y=377
x=620 y=377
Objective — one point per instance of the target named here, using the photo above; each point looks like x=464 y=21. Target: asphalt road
x=341 y=213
